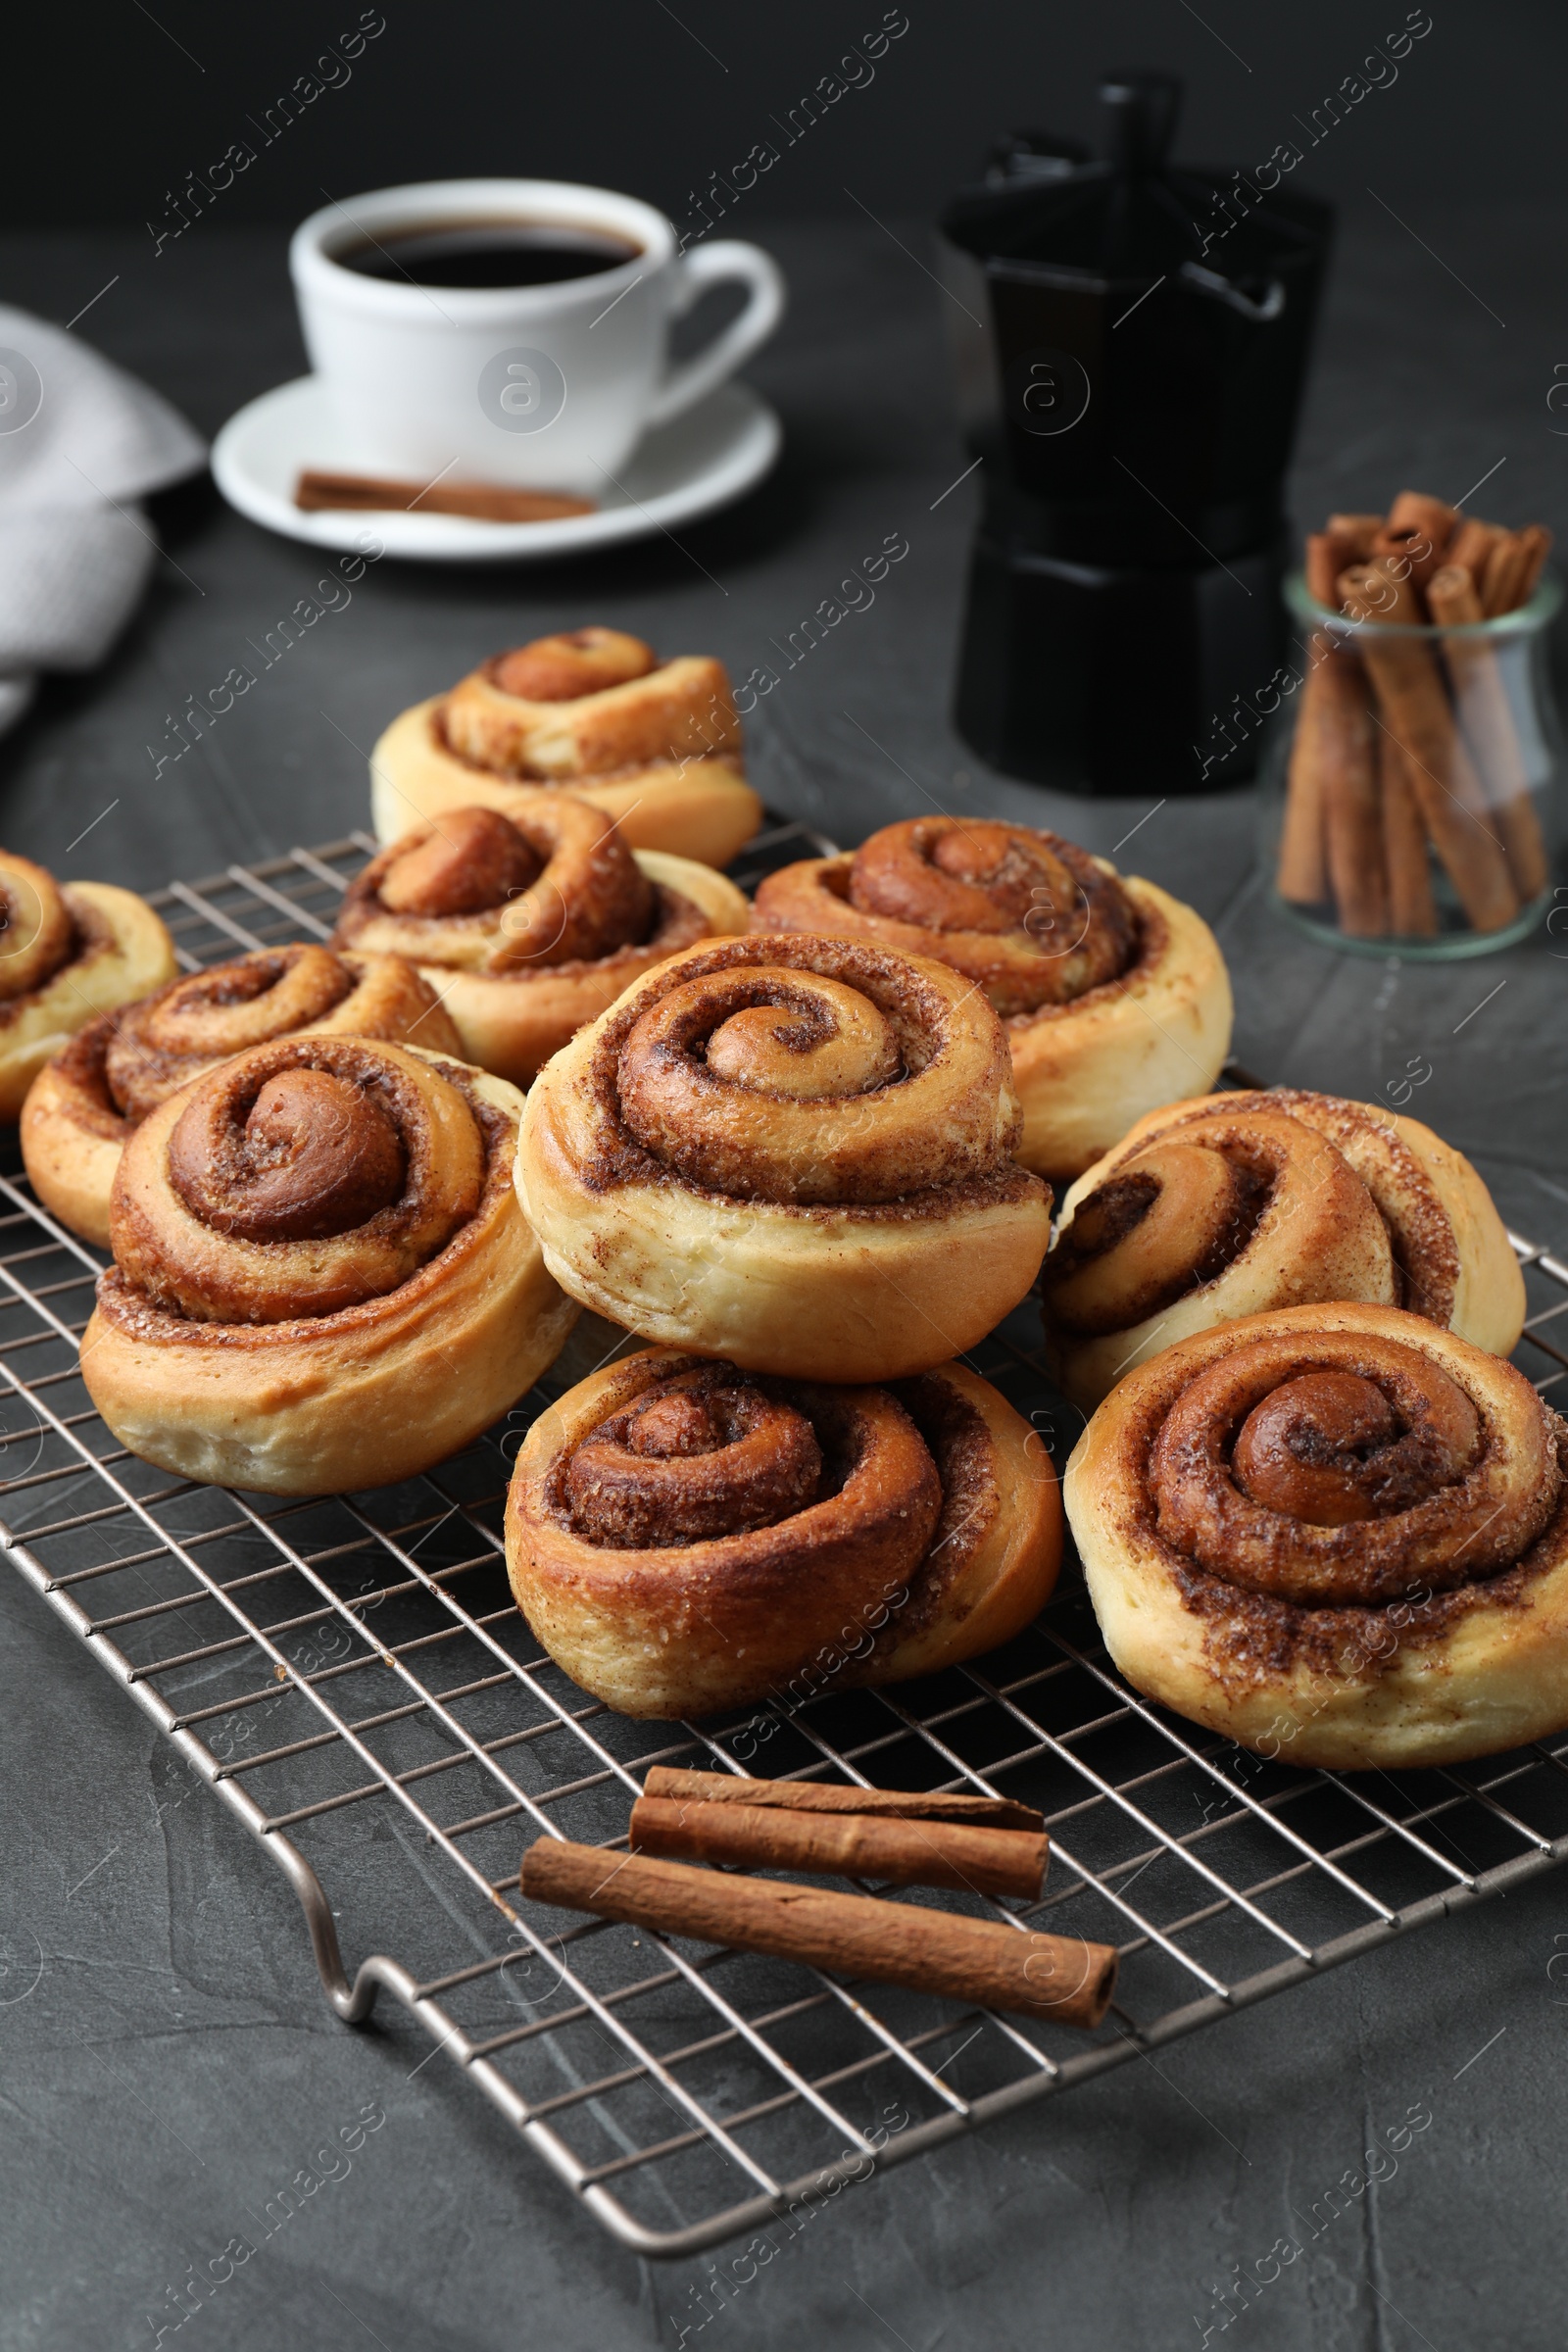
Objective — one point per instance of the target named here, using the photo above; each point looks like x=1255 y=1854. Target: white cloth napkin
x=81 y=443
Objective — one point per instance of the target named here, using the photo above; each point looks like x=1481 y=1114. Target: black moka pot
x=1132 y=342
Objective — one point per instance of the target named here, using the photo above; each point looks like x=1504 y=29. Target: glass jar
x=1411 y=802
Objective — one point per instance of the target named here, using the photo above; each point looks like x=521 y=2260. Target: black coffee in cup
x=444 y=322
x=489 y=253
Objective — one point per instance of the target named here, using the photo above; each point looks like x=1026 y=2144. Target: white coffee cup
x=545 y=386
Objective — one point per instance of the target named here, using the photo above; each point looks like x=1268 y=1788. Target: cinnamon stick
x=1304 y=870
x=1416 y=532
x=1512 y=569
x=1359 y=532
x=1331 y=552
x=1488 y=720
x=1414 y=708
x=1303 y=877
x=1471 y=545
x=1502 y=567
x=1412 y=550
x=1426 y=514
x=1537 y=541
x=849 y=1845
x=829 y=1796
x=485 y=502
x=1412 y=910
x=975 y=1960
x=1337 y=724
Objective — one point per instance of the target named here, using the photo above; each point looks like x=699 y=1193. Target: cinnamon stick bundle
x=486 y=501
x=826 y=1796
x=1414 y=708
x=851 y=1846
x=974 y=1960
x=1486 y=719
x=1382 y=769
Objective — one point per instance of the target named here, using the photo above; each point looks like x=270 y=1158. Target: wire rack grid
x=351 y=1678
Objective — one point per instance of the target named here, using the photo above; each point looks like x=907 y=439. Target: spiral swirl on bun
x=298 y=1180
x=684 y=1536
x=88 y=1101
x=1115 y=995
x=593 y=711
x=1236 y=1203
x=1337 y=1533
x=1031 y=919
x=36 y=934
x=69 y=951
x=531 y=923
x=794 y=1152
x=321 y=1275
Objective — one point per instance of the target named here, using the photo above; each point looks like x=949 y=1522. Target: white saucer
x=702 y=461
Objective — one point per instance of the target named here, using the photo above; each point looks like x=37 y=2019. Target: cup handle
x=705 y=265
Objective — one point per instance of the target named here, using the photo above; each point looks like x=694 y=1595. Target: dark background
x=109 y=113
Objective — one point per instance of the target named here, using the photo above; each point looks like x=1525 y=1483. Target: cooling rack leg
x=352 y=2002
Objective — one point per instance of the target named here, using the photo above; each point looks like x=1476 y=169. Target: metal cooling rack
x=351 y=1678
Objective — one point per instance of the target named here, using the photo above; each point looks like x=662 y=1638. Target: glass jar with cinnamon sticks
x=1414 y=803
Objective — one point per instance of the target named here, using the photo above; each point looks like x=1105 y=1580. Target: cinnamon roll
x=87 y=1101
x=792 y=1153
x=530 y=925
x=1338 y=1534
x=68 y=950
x=684 y=1537
x=655 y=743
x=1236 y=1203
x=322 y=1277
x=1114 y=995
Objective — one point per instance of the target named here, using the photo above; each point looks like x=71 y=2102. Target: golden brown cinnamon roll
x=792 y=1153
x=1336 y=1535
x=656 y=745
x=683 y=1535
x=321 y=1278
x=1115 y=995
x=530 y=925
x=68 y=950
x=90 y=1098
x=1237 y=1204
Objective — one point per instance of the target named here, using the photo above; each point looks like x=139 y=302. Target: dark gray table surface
x=174 y=2057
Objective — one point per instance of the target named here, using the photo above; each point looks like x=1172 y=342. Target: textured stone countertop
x=166 y=2054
